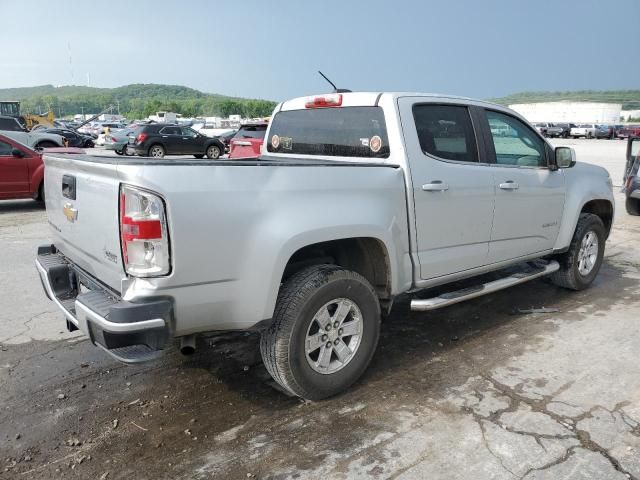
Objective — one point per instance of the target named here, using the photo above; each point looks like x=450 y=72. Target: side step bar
x=449 y=298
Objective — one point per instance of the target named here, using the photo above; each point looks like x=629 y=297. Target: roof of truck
x=360 y=99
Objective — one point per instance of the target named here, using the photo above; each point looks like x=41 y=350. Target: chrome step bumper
x=457 y=296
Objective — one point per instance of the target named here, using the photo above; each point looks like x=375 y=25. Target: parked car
x=631 y=179
x=549 y=129
x=584 y=130
x=74 y=139
x=22 y=169
x=119 y=141
x=629 y=131
x=10 y=127
x=566 y=129
x=226 y=139
x=248 y=140
x=160 y=139
x=605 y=131
x=358 y=198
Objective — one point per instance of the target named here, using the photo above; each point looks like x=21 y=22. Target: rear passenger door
x=172 y=139
x=452 y=186
x=529 y=196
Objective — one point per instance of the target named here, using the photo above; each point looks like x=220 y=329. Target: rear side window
x=251 y=131
x=170 y=131
x=5 y=149
x=340 y=132
x=445 y=131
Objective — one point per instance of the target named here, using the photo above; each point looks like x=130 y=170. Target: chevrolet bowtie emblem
x=70 y=212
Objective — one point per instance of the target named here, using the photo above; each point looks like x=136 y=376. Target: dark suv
x=159 y=139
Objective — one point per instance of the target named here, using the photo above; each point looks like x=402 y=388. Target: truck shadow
x=408 y=340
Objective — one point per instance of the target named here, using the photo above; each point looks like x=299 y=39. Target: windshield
x=343 y=131
x=251 y=131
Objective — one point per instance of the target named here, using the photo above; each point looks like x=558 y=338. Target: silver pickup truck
x=356 y=199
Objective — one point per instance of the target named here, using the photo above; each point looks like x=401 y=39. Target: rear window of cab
x=340 y=132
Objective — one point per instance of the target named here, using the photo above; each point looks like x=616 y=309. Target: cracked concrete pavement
x=475 y=391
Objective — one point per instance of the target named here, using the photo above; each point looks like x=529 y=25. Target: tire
x=213 y=152
x=570 y=275
x=199 y=155
x=46 y=144
x=41 y=196
x=127 y=152
x=118 y=152
x=632 y=206
x=156 y=151
x=301 y=300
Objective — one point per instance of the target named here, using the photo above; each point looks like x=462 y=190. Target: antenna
x=335 y=89
x=330 y=82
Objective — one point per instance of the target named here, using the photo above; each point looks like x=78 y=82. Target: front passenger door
x=14 y=173
x=529 y=196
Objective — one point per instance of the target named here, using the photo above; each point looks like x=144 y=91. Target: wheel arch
x=367 y=256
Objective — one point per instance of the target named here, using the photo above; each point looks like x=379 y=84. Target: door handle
x=164 y=136
x=509 y=185
x=435 y=186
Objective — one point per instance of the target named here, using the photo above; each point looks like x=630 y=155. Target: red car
x=248 y=140
x=22 y=169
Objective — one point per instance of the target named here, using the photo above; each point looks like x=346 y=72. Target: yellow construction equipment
x=28 y=120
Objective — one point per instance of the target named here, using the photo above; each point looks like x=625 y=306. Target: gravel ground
x=474 y=391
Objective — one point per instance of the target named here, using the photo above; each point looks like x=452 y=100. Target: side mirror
x=17 y=153
x=565 y=157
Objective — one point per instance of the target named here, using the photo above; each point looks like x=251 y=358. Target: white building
x=569 y=112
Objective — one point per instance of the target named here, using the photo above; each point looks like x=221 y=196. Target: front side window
x=335 y=131
x=445 y=131
x=522 y=147
x=187 y=132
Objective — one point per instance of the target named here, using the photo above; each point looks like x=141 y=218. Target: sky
x=273 y=49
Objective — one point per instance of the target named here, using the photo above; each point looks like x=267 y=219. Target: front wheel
x=581 y=263
x=324 y=331
x=213 y=152
x=632 y=206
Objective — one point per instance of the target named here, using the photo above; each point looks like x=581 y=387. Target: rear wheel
x=199 y=155
x=213 y=152
x=156 y=151
x=581 y=263
x=633 y=206
x=118 y=152
x=324 y=331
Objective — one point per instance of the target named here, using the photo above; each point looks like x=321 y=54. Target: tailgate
x=82 y=209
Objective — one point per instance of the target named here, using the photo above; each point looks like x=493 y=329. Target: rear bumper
x=130 y=332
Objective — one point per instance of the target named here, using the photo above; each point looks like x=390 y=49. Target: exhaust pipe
x=188 y=345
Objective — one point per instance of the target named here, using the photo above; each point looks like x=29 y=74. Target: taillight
x=141 y=137
x=143 y=233
x=333 y=100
